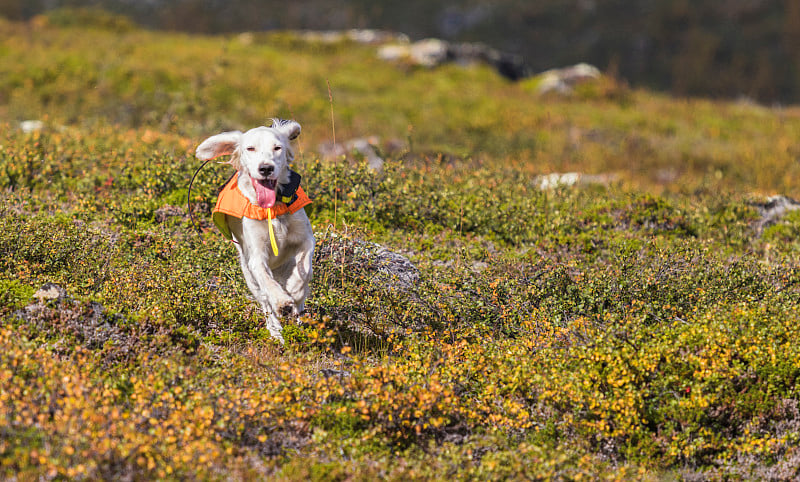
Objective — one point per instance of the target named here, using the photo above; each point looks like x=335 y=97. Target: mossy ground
x=640 y=329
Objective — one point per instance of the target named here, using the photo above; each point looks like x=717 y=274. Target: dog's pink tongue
x=264 y=195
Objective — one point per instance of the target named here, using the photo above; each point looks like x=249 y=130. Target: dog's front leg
x=252 y=284
x=253 y=245
x=259 y=279
x=272 y=294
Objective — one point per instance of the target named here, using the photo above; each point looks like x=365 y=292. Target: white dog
x=261 y=210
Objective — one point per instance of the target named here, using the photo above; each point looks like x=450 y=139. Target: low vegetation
x=640 y=326
x=698 y=48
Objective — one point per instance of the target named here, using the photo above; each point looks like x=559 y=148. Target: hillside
x=741 y=48
x=636 y=321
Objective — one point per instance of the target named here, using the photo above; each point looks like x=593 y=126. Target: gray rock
x=53 y=310
x=556 y=180
x=385 y=269
x=371 y=36
x=365 y=146
x=395 y=268
x=367 y=149
x=361 y=36
x=562 y=81
x=50 y=292
x=771 y=211
x=434 y=52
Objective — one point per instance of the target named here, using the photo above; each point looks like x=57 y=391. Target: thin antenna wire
x=335 y=175
x=299 y=140
x=189 y=197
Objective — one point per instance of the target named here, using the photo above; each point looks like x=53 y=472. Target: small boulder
x=425 y=53
x=434 y=52
x=771 y=211
x=50 y=292
x=360 y=36
x=555 y=180
x=372 y=37
x=364 y=260
x=563 y=81
x=365 y=146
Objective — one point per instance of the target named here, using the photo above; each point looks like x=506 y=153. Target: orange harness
x=232 y=202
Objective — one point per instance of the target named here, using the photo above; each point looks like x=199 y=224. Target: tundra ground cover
x=644 y=328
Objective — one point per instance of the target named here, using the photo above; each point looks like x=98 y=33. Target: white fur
x=279 y=283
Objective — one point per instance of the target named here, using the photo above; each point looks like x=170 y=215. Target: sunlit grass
x=638 y=328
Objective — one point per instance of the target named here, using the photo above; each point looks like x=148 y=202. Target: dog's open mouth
x=265 y=191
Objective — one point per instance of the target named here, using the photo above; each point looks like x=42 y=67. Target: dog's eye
x=251 y=148
x=276 y=148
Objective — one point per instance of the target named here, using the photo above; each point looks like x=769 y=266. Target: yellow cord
x=272 y=232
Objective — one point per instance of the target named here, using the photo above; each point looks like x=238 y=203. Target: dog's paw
x=286 y=308
x=275 y=328
x=282 y=305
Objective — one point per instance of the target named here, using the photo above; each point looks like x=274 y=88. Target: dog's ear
x=219 y=145
x=289 y=128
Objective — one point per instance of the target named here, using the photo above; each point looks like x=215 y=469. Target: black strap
x=226 y=183
x=287 y=193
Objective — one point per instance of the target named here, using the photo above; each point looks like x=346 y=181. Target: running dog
x=261 y=210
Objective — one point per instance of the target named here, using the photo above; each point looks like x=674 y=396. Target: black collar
x=287 y=193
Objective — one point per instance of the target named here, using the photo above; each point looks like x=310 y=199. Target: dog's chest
x=258 y=236
x=281 y=229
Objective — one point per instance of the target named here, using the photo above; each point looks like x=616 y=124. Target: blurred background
x=733 y=49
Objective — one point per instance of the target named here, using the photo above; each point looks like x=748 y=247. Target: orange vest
x=232 y=202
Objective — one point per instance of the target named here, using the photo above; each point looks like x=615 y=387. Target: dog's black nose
x=265 y=170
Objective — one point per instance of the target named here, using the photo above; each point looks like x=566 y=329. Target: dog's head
x=263 y=154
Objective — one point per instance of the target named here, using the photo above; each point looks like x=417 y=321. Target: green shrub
x=14 y=294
